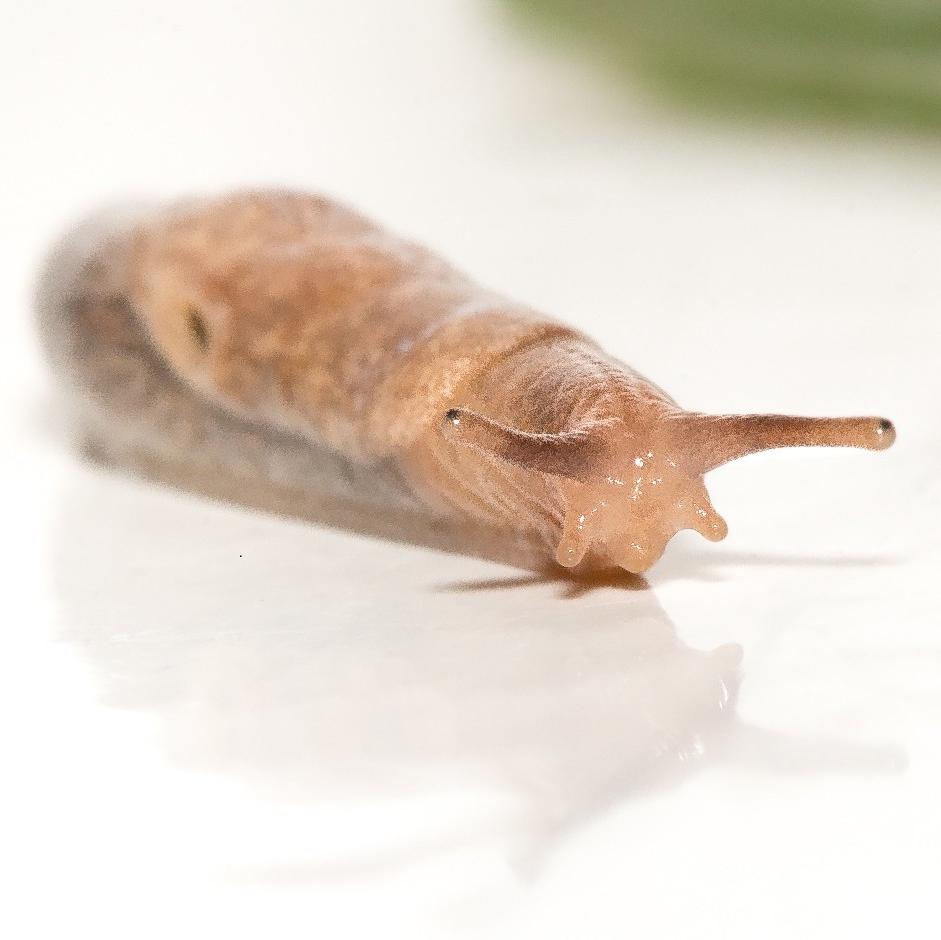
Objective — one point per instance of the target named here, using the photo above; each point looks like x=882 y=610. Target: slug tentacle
x=718 y=439
x=575 y=540
x=576 y=454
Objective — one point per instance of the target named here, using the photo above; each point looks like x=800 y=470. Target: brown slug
x=246 y=332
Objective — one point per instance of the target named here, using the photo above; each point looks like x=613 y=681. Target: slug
x=283 y=337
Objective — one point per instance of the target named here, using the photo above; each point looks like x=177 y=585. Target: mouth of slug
x=629 y=520
x=636 y=557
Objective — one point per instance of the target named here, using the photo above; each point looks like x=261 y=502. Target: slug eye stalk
x=574 y=454
x=717 y=439
x=705 y=441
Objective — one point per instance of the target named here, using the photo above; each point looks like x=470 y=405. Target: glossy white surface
x=217 y=723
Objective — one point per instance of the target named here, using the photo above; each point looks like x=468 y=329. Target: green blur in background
x=863 y=60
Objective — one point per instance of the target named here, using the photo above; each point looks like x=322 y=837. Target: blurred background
x=868 y=61
x=217 y=720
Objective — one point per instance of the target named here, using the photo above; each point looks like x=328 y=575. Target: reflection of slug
x=291 y=315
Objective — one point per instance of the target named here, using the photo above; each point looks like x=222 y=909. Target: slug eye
x=197 y=328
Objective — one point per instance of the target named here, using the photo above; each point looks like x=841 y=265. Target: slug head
x=629 y=487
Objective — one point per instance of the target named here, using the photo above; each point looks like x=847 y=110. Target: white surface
x=220 y=724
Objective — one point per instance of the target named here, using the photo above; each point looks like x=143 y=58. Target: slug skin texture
x=258 y=326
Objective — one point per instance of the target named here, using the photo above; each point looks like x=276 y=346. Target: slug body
x=219 y=330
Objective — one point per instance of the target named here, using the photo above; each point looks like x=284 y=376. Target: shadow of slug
x=324 y=667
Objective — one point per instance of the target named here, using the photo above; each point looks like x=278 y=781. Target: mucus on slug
x=290 y=311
